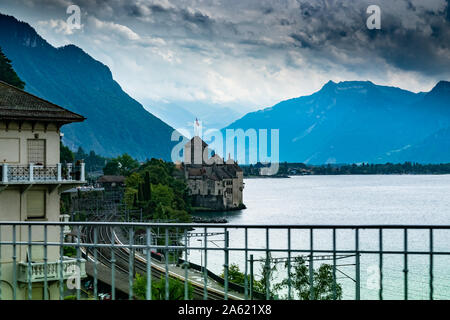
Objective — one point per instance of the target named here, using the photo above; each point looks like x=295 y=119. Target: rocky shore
x=209 y=220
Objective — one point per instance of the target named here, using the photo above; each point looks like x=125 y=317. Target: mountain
x=67 y=76
x=434 y=148
x=358 y=121
x=182 y=114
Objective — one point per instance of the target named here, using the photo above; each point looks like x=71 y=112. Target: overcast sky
x=250 y=53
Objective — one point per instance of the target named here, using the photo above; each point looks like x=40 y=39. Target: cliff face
x=67 y=76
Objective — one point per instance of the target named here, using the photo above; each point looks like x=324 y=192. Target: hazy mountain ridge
x=355 y=121
x=182 y=114
x=116 y=123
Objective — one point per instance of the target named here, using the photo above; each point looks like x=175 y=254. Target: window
x=36 y=151
x=9 y=150
x=35 y=204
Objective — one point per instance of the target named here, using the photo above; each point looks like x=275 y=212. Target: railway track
x=106 y=235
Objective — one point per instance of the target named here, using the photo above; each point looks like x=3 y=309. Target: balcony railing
x=356 y=261
x=59 y=173
x=37 y=271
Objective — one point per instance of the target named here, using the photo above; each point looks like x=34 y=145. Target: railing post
x=45 y=264
x=82 y=176
x=267 y=266
x=186 y=266
x=405 y=264
x=5 y=173
x=358 y=267
x=205 y=270
x=246 y=266
x=226 y=266
x=166 y=256
x=431 y=264
x=61 y=258
x=0 y=262
x=311 y=264
x=31 y=178
x=14 y=263
x=334 y=265
x=69 y=171
x=148 y=294
x=289 y=265
x=59 y=178
x=251 y=277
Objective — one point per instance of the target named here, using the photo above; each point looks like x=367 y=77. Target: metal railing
x=411 y=262
x=32 y=173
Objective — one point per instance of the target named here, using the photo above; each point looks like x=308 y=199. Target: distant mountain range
x=346 y=122
x=355 y=121
x=183 y=114
x=69 y=77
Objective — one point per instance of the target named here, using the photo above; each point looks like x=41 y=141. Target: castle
x=213 y=183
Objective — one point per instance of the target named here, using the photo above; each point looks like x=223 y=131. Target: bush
x=69 y=251
x=176 y=289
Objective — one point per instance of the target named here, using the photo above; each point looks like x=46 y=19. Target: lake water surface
x=349 y=200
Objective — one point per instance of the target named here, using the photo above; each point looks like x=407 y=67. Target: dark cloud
x=423 y=48
x=327 y=36
x=196 y=18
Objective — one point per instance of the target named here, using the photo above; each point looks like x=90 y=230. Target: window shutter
x=36 y=204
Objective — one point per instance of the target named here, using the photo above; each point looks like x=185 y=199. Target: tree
x=65 y=155
x=322 y=282
x=80 y=154
x=111 y=168
x=126 y=164
x=176 y=288
x=152 y=188
x=133 y=180
x=7 y=73
x=163 y=195
x=235 y=275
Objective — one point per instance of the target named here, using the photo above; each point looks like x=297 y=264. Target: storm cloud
x=251 y=53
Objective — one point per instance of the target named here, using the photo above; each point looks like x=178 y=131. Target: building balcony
x=36 y=273
x=42 y=174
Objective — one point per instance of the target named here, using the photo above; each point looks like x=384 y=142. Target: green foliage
x=123 y=165
x=130 y=197
x=346 y=169
x=127 y=164
x=152 y=188
x=322 y=281
x=168 y=213
x=65 y=154
x=176 y=288
x=93 y=162
x=133 y=180
x=236 y=276
x=69 y=251
x=112 y=168
x=7 y=73
x=387 y=168
x=162 y=195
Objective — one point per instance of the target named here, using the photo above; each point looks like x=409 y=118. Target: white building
x=31 y=180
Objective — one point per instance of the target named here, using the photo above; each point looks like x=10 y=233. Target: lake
x=349 y=200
